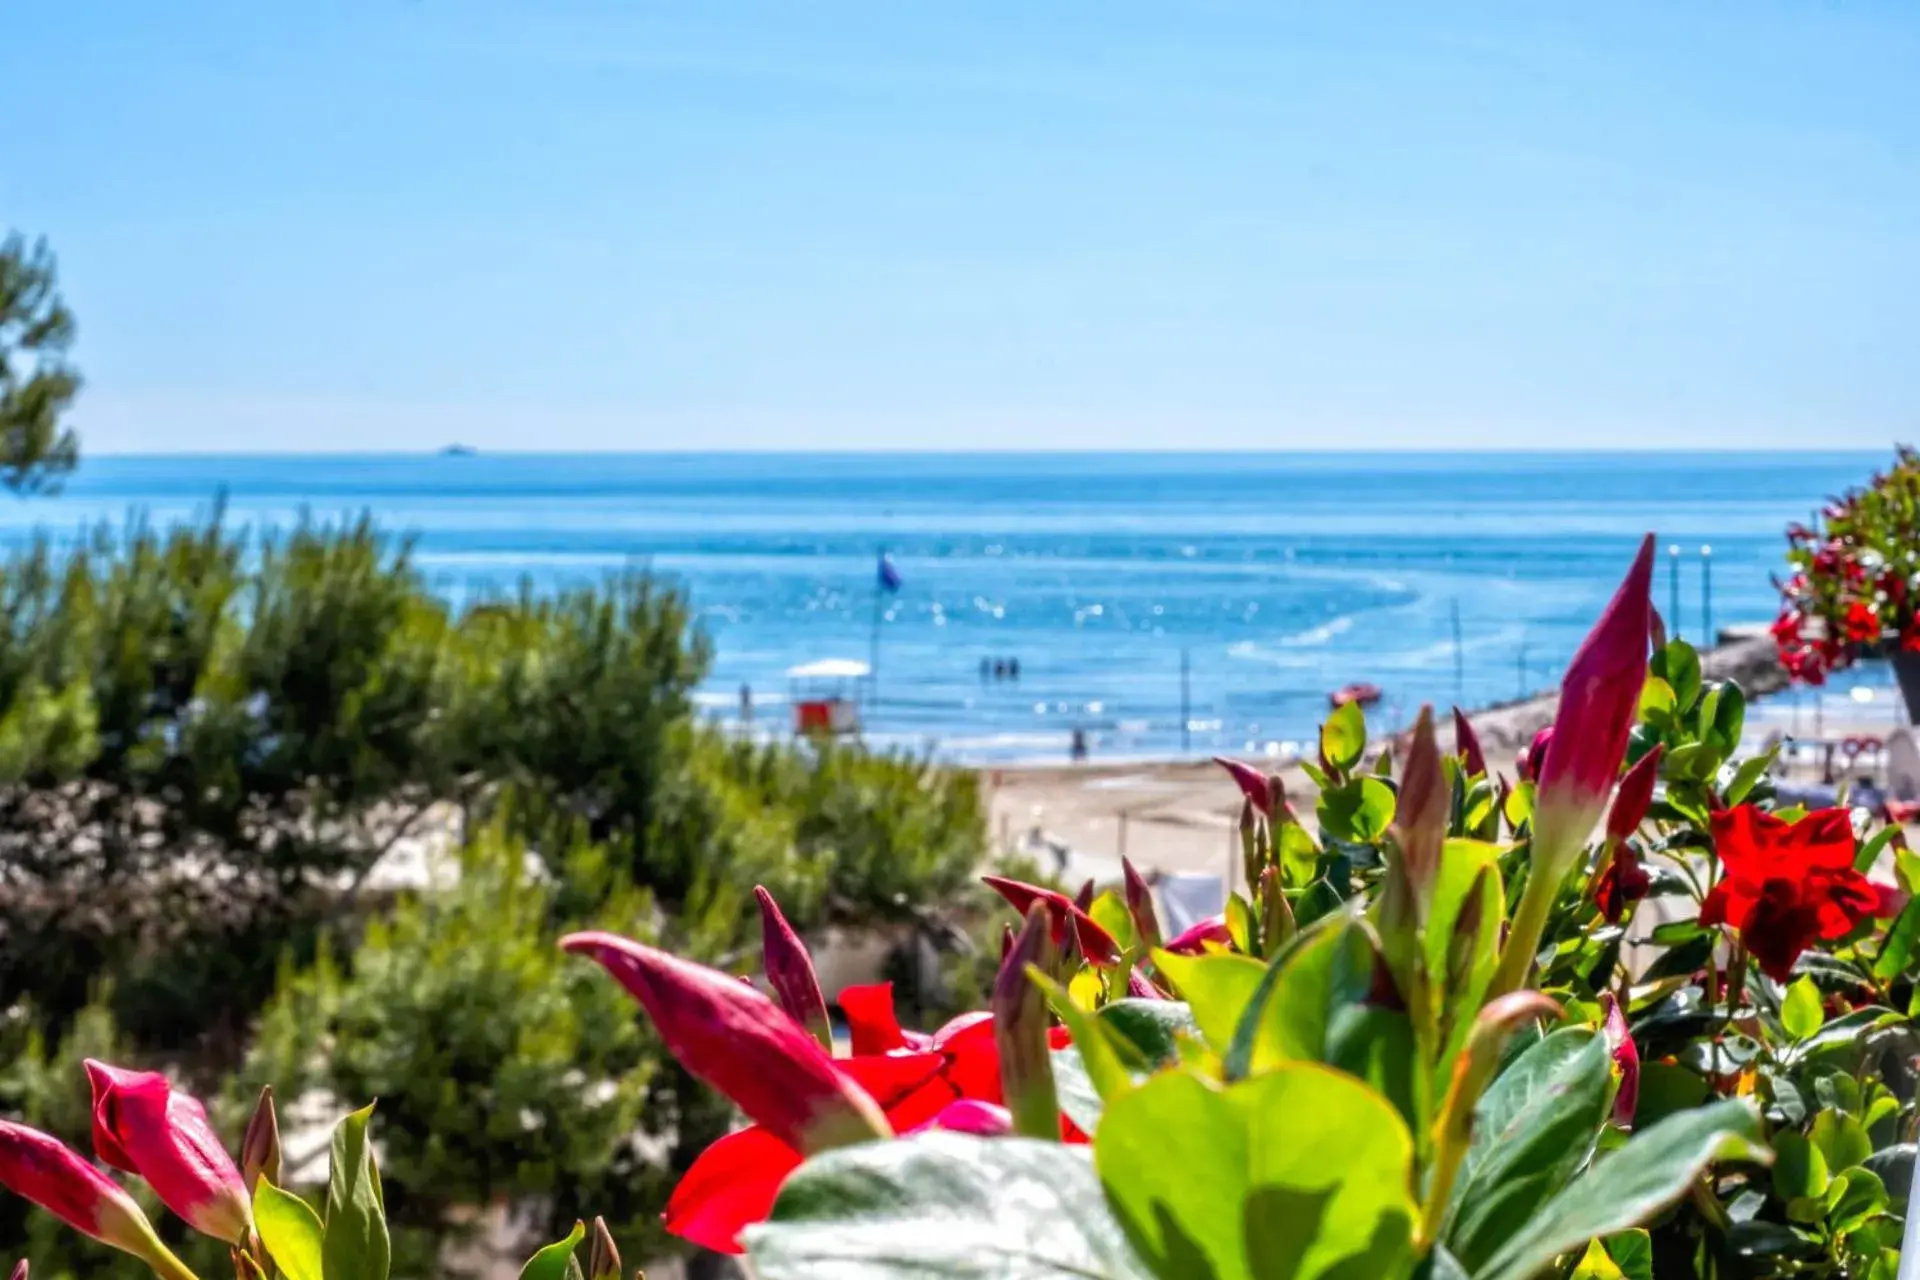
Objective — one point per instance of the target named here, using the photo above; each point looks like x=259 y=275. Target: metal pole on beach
x=1706 y=595
x=1459 y=659
x=1673 y=590
x=873 y=641
x=1186 y=702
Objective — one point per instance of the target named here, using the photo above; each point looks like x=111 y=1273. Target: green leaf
x=1215 y=987
x=1103 y=1054
x=944 y=1205
x=552 y=1261
x=1534 y=1127
x=1749 y=773
x=1596 y=1264
x=1630 y=1186
x=1237 y=1183
x=290 y=1230
x=1679 y=666
x=1842 y=1139
x=1074 y=1087
x=1800 y=1011
x=1656 y=702
x=1864 y=1199
x=1361 y=811
x=1897 y=950
x=1799 y=1168
x=1344 y=736
x=1724 y=717
x=1285 y=1018
x=1632 y=1252
x=356 y=1241
x=1873 y=846
x=1151 y=1026
x=1109 y=911
x=1666 y=1088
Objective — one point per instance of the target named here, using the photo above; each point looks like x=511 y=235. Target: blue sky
x=387 y=224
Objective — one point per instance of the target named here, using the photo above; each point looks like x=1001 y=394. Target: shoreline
x=1180 y=816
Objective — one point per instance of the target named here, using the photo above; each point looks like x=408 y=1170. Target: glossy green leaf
x=1723 y=717
x=1238 y=1183
x=1749 y=773
x=1286 y=1016
x=1079 y=1100
x=290 y=1230
x=1151 y=1026
x=1842 y=1139
x=1632 y=1253
x=356 y=1241
x=1534 y=1128
x=1216 y=988
x=1628 y=1187
x=1109 y=911
x=1897 y=950
x=1344 y=737
x=551 y=1262
x=944 y=1205
x=1679 y=666
x=1109 y=1061
x=1360 y=811
x=1656 y=702
x=1800 y=1011
x=1799 y=1169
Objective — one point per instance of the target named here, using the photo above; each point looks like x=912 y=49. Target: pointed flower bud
x=739 y=1042
x=1020 y=1030
x=1466 y=745
x=260 y=1148
x=1420 y=814
x=603 y=1260
x=1139 y=987
x=1252 y=783
x=1195 y=939
x=1063 y=915
x=143 y=1125
x=790 y=971
x=1146 y=925
x=1084 y=898
x=1630 y=803
x=1277 y=920
x=1599 y=699
x=40 y=1168
x=1626 y=1060
x=19 y=1270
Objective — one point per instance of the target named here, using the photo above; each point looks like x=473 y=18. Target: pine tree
x=37 y=385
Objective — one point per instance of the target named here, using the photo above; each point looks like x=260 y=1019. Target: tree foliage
x=37 y=384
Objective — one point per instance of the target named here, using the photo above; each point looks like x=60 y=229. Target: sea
x=1158 y=605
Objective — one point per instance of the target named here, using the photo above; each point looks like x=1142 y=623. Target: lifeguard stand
x=826 y=697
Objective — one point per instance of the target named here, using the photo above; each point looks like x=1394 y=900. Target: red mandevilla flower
x=1195 y=938
x=40 y=1168
x=1626 y=1060
x=142 y=1125
x=1785 y=886
x=1622 y=884
x=1062 y=914
x=1862 y=623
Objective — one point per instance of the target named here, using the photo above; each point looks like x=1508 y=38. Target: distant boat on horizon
x=459 y=451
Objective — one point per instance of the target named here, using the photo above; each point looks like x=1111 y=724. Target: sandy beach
x=1178 y=817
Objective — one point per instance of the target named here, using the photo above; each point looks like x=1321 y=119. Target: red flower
x=1786 y=886
x=1193 y=940
x=141 y=1125
x=920 y=1081
x=40 y=1168
x=1786 y=627
x=1862 y=623
x=1062 y=913
x=1910 y=637
x=1533 y=754
x=1622 y=884
x=1626 y=1059
x=741 y=1043
x=1599 y=700
x=1467 y=744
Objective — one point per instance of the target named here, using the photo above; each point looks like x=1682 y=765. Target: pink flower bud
x=1194 y=939
x=970 y=1115
x=1626 y=1058
x=1466 y=744
x=1421 y=812
x=1635 y=795
x=40 y=1168
x=739 y=1042
x=141 y=1124
x=1020 y=1027
x=1600 y=697
x=603 y=1259
x=260 y=1148
x=1146 y=925
x=1252 y=783
x=790 y=971
x=1095 y=942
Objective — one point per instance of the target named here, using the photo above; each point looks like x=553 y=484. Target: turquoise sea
x=1276 y=577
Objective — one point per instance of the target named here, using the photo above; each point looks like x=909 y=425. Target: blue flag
x=889 y=576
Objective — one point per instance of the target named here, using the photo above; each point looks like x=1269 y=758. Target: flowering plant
x=1622 y=1016
x=1855 y=570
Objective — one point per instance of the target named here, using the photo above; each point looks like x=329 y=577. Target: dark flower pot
x=1906 y=669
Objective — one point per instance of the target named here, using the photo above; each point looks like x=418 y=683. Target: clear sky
x=565 y=224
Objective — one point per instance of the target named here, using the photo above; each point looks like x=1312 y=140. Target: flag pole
x=873 y=641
